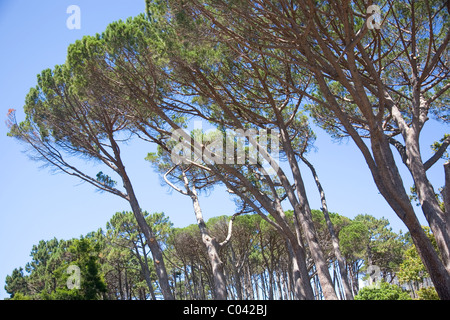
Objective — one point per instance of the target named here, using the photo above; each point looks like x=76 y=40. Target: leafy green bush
x=20 y=296
x=382 y=291
x=427 y=294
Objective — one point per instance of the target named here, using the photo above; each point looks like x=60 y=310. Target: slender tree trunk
x=143 y=262
x=256 y=281
x=285 y=283
x=435 y=216
x=236 y=272
x=195 y=283
x=188 y=282
x=267 y=267
x=152 y=242
x=279 y=284
x=303 y=212
x=250 y=283
x=212 y=246
x=122 y=295
x=446 y=191
x=149 y=283
x=334 y=238
x=146 y=272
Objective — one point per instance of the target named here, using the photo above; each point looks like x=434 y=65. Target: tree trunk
x=303 y=212
x=300 y=278
x=435 y=216
x=390 y=185
x=334 y=238
x=212 y=246
x=152 y=242
x=237 y=273
x=446 y=191
x=145 y=270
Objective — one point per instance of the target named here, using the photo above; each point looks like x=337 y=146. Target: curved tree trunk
x=334 y=238
x=303 y=212
x=152 y=242
x=436 y=218
x=212 y=246
x=388 y=180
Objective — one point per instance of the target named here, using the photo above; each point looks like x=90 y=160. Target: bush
x=382 y=291
x=427 y=294
x=20 y=296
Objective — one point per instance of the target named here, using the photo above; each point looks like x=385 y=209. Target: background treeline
x=115 y=263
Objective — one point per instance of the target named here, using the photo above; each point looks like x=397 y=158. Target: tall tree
x=138 y=80
x=372 y=81
x=84 y=253
x=194 y=179
x=66 y=114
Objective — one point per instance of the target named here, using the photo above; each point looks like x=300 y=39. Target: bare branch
x=171 y=184
x=429 y=163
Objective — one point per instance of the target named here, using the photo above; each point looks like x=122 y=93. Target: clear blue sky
x=36 y=204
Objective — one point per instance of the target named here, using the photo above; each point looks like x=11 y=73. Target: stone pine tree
x=66 y=117
x=190 y=180
x=140 y=79
x=379 y=73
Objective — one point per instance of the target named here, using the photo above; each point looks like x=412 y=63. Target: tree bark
x=387 y=177
x=334 y=238
x=302 y=285
x=446 y=190
x=435 y=216
x=303 y=212
x=152 y=242
x=212 y=246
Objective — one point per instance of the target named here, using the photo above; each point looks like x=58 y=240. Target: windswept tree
x=378 y=73
x=67 y=115
x=190 y=179
x=134 y=67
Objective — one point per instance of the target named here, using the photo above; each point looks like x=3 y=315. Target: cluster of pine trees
x=114 y=263
x=247 y=67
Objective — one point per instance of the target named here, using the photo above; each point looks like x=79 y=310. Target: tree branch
x=171 y=184
x=400 y=148
x=430 y=162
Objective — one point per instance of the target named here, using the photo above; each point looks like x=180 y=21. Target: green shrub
x=427 y=294
x=382 y=291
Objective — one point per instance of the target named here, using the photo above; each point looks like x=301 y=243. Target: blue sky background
x=36 y=204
